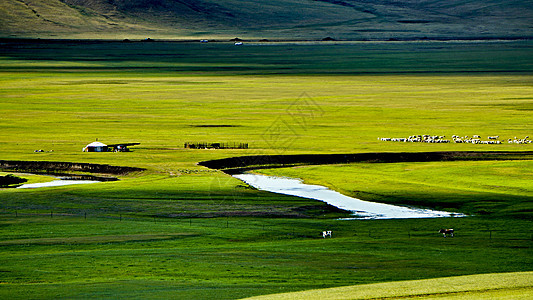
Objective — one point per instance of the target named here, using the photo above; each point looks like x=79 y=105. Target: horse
x=326 y=233
x=446 y=231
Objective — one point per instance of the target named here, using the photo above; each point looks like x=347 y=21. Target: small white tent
x=96 y=147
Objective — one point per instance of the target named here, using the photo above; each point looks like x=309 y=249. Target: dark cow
x=446 y=231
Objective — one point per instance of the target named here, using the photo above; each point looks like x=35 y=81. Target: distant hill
x=273 y=19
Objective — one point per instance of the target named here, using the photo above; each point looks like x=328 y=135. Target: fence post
x=51 y=214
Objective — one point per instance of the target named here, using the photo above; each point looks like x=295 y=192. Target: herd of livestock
x=475 y=139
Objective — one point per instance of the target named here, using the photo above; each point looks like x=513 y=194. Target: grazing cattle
x=326 y=233
x=446 y=231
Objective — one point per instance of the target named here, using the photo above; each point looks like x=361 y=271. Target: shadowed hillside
x=289 y=19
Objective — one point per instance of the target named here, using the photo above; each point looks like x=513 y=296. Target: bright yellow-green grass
x=64 y=112
x=280 y=98
x=485 y=286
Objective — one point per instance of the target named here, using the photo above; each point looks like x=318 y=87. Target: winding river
x=361 y=209
x=295 y=187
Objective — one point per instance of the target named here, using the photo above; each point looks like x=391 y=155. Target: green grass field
x=184 y=231
x=502 y=286
x=73 y=257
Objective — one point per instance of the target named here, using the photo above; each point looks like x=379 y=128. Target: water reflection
x=66 y=179
x=55 y=183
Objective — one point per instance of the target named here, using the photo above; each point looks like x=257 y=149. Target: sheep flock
x=474 y=139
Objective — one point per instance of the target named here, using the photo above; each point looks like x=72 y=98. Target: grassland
x=73 y=257
x=486 y=187
x=508 y=286
x=181 y=230
x=158 y=94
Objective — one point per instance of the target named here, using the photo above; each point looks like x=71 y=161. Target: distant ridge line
x=260 y=40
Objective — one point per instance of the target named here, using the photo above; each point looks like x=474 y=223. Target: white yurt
x=96 y=147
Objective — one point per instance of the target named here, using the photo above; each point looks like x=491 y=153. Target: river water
x=361 y=209
x=55 y=183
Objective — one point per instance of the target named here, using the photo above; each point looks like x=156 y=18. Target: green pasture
x=184 y=231
x=502 y=286
x=227 y=258
x=315 y=99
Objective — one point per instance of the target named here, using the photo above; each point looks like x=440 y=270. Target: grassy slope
x=486 y=286
x=63 y=96
x=55 y=19
x=348 y=19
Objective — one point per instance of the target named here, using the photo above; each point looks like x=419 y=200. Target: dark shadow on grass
x=236 y=165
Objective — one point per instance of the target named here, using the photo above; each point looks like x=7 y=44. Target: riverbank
x=490 y=188
x=55 y=167
x=359 y=208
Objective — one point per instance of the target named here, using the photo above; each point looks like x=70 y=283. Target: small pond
x=361 y=209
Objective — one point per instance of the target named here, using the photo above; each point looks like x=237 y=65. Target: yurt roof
x=96 y=144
